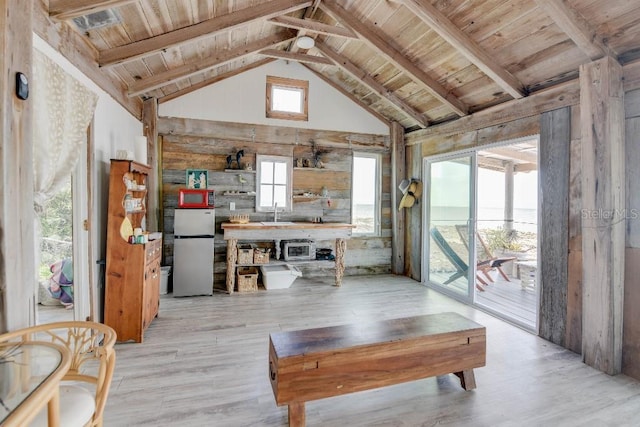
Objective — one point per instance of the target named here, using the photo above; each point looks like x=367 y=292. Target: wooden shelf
x=311 y=197
x=239 y=171
x=227 y=193
x=310 y=169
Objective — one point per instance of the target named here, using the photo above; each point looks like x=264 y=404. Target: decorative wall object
x=197 y=178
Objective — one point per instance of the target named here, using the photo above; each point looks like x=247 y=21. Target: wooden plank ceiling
x=417 y=62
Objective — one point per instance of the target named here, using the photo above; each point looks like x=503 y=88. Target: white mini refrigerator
x=194 y=231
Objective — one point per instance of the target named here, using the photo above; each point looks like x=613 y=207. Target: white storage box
x=279 y=276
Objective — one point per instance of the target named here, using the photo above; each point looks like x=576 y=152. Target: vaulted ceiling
x=417 y=62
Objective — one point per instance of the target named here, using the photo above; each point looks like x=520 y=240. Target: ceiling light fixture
x=305 y=42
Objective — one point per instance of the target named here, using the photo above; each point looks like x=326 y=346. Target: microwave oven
x=295 y=250
x=195 y=198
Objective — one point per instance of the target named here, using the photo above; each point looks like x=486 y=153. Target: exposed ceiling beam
x=558 y=96
x=68 y=9
x=308 y=14
x=208 y=28
x=375 y=40
x=499 y=165
x=372 y=84
x=513 y=153
x=73 y=47
x=431 y=16
x=215 y=79
x=576 y=27
x=313 y=26
x=351 y=96
x=297 y=57
x=187 y=70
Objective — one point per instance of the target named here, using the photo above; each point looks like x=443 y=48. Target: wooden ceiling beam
x=395 y=57
x=351 y=96
x=297 y=57
x=216 y=79
x=208 y=28
x=513 y=153
x=576 y=27
x=372 y=84
x=81 y=54
x=431 y=16
x=313 y=26
x=187 y=70
x=558 y=96
x=68 y=9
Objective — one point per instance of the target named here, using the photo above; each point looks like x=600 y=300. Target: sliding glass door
x=450 y=207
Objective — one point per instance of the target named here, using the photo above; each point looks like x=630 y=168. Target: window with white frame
x=287 y=98
x=273 y=183
x=365 y=194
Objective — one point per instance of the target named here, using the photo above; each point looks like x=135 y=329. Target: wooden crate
x=247 y=279
x=245 y=254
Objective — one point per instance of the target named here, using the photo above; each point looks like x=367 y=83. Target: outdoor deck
x=511 y=299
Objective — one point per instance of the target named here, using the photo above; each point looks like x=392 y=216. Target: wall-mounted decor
x=197 y=178
x=239 y=155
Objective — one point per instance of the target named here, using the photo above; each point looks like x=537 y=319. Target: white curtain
x=62 y=110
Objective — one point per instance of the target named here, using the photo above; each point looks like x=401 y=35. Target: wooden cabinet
x=132 y=293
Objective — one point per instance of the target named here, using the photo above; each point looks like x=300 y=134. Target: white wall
x=241 y=99
x=114 y=129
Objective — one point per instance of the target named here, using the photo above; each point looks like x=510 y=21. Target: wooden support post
x=555 y=144
x=398 y=172
x=150 y=130
x=508 y=195
x=603 y=214
x=341 y=248
x=232 y=257
x=17 y=266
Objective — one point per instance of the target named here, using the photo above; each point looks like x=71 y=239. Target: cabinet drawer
x=153 y=251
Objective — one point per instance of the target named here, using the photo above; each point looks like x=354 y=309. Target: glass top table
x=30 y=373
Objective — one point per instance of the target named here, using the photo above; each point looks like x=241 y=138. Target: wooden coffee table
x=316 y=363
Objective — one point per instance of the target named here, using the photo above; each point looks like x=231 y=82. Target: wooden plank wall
x=17 y=264
x=553 y=183
x=631 y=328
x=573 y=340
x=207 y=145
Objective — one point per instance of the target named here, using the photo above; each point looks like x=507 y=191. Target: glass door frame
x=426 y=207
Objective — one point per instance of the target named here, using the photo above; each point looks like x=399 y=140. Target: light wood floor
x=204 y=363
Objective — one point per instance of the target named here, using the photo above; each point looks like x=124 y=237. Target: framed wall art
x=197 y=178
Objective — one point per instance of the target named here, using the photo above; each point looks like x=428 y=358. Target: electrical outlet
x=232 y=206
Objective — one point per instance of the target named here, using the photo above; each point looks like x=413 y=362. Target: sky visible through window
x=287 y=99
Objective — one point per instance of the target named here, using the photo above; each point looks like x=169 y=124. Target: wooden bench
x=316 y=363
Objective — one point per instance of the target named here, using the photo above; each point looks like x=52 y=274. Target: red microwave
x=195 y=198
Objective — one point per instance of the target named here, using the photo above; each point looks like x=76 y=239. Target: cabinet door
x=151 y=297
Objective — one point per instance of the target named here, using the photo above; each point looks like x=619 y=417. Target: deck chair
x=462 y=268
x=483 y=254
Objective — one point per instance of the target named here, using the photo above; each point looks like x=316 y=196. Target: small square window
x=287 y=98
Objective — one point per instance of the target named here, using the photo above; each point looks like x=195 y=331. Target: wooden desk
x=256 y=231
x=317 y=363
x=30 y=373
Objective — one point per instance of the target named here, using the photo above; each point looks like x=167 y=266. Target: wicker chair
x=85 y=386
